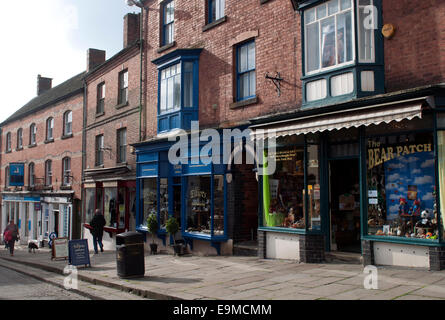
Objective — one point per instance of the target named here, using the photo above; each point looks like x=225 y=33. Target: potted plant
x=172 y=227
x=153 y=226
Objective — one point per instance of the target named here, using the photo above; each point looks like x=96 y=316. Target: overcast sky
x=51 y=38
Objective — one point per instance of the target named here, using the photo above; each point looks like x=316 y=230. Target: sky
x=51 y=38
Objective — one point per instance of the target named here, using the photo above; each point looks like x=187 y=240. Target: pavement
x=189 y=277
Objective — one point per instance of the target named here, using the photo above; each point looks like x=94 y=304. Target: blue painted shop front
x=193 y=192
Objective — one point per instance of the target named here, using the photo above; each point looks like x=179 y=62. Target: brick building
x=41 y=161
x=112 y=123
x=348 y=86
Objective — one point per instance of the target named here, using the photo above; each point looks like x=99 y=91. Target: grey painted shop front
x=365 y=177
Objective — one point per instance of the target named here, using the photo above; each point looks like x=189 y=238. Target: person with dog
x=11 y=235
x=97 y=224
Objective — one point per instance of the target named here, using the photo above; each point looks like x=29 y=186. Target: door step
x=247 y=249
x=343 y=257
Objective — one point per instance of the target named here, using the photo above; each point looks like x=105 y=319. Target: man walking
x=97 y=224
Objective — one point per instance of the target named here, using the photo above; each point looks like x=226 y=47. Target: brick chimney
x=131 y=28
x=43 y=84
x=95 y=57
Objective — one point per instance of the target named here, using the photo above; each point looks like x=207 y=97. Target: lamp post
x=139 y=4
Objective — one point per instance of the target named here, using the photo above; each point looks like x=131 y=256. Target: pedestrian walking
x=11 y=235
x=97 y=224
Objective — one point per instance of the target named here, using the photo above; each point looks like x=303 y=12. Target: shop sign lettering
x=377 y=155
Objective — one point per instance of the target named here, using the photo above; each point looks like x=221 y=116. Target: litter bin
x=130 y=255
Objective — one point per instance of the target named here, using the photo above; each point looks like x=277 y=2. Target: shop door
x=344 y=202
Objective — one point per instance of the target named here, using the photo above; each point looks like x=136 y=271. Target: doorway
x=344 y=193
x=56 y=222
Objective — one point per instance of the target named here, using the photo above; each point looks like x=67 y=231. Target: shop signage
x=17 y=174
x=78 y=252
x=60 y=248
x=377 y=154
x=284 y=155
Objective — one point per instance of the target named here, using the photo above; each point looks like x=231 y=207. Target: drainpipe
x=85 y=91
x=141 y=90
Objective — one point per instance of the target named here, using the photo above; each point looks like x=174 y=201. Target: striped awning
x=355 y=118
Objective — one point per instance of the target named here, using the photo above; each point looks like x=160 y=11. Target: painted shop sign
x=378 y=155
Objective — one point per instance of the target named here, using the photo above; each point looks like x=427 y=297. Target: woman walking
x=10 y=235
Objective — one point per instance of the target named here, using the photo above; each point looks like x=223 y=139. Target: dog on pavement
x=32 y=246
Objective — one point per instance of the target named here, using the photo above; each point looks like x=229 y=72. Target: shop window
x=149 y=198
x=401 y=193
x=313 y=186
x=283 y=191
x=199 y=205
x=90 y=203
x=110 y=207
x=122 y=202
x=163 y=202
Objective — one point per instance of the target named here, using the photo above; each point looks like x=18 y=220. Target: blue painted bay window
x=178 y=95
x=342 y=50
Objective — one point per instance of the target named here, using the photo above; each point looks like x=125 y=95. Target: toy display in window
x=199 y=221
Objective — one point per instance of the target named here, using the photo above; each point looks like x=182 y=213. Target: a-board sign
x=79 y=252
x=60 y=248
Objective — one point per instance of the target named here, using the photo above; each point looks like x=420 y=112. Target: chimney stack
x=95 y=57
x=43 y=84
x=131 y=28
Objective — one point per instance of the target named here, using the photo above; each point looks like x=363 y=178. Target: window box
x=214 y=23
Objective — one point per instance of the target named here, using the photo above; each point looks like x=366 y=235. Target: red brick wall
x=277 y=50
x=55 y=151
x=113 y=118
x=415 y=56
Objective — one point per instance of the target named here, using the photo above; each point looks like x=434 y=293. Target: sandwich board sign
x=60 y=248
x=79 y=253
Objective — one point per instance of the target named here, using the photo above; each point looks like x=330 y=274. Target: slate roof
x=58 y=93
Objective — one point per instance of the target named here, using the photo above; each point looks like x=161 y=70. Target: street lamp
x=139 y=4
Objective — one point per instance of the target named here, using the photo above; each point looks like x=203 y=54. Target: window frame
x=101 y=92
x=67 y=123
x=50 y=121
x=99 y=152
x=19 y=139
x=32 y=134
x=166 y=25
x=213 y=5
x=247 y=71
x=7 y=176
x=353 y=37
x=65 y=181
x=48 y=173
x=8 y=142
x=121 y=148
x=122 y=88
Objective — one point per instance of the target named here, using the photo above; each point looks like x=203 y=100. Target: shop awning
x=364 y=116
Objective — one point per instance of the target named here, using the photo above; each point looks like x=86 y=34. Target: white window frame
x=353 y=23
x=66 y=118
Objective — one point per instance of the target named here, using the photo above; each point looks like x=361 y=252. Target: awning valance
x=345 y=119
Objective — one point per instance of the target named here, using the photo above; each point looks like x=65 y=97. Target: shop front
x=359 y=180
x=117 y=201
x=191 y=190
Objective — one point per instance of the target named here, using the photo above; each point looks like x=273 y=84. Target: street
x=17 y=286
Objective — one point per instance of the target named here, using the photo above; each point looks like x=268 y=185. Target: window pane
x=401 y=186
x=252 y=83
x=251 y=56
x=163 y=95
x=344 y=37
x=163 y=202
x=244 y=85
x=110 y=212
x=366 y=48
x=321 y=11
x=312 y=47
x=170 y=85
x=188 y=89
x=328 y=42
x=345 y=4
x=218 y=206
x=121 y=199
x=242 y=57
x=310 y=15
x=89 y=203
x=177 y=91
x=332 y=7
x=441 y=172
